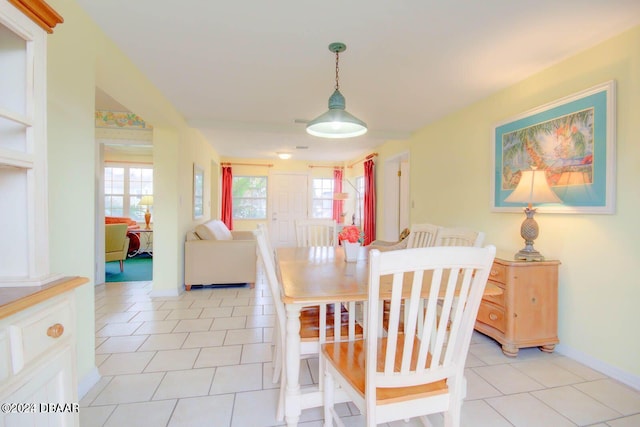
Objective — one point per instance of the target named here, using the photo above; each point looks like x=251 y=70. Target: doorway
x=396 y=209
x=288 y=193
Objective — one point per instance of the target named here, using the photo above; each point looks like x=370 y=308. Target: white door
x=288 y=195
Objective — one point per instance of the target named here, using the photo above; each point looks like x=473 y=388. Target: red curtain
x=337 y=188
x=369 y=220
x=227 y=198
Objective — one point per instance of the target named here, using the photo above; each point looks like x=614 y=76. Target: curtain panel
x=226 y=215
x=369 y=220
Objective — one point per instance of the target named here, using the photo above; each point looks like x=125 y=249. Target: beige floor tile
x=631 y=421
x=144 y=316
x=204 y=339
x=576 y=405
x=255 y=409
x=156 y=327
x=215 y=312
x=146 y=306
x=163 y=342
x=101 y=358
x=478 y=388
x=234 y=302
x=176 y=305
x=188 y=383
x=203 y=411
x=126 y=363
x=578 y=368
x=184 y=313
x=218 y=356
x=118 y=329
x=120 y=317
x=237 y=378
x=95 y=416
x=507 y=379
x=193 y=325
x=261 y=321
x=548 y=373
x=91 y=395
x=243 y=336
x=172 y=360
x=615 y=395
x=249 y=310
x=228 y=323
x=121 y=344
x=525 y=410
x=142 y=414
x=256 y=353
x=129 y=389
x=205 y=303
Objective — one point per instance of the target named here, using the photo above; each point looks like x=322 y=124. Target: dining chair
x=316 y=232
x=458 y=236
x=400 y=375
x=318 y=324
x=422 y=235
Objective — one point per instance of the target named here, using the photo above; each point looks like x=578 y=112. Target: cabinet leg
x=547 y=348
x=510 y=350
x=187 y=287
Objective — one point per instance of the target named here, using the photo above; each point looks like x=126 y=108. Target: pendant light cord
x=337 y=68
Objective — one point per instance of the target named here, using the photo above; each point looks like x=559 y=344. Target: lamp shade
x=146 y=201
x=337 y=122
x=533 y=188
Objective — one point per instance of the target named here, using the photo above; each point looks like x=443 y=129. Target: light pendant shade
x=337 y=122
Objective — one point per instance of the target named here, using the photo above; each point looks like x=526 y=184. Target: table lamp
x=146 y=201
x=532 y=188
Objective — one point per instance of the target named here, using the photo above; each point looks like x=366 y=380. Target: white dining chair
x=404 y=373
x=316 y=232
x=458 y=236
x=318 y=324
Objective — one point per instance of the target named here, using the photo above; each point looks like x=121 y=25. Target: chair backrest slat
x=455 y=236
x=422 y=235
x=432 y=343
x=316 y=232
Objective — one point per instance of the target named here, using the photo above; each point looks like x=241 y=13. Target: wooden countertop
x=15 y=299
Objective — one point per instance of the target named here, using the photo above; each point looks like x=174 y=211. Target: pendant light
x=337 y=122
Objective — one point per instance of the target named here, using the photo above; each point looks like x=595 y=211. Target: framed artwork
x=573 y=140
x=198 y=191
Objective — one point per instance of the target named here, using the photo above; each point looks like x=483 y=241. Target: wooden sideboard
x=526 y=314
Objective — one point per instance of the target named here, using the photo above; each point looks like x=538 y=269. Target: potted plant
x=351 y=239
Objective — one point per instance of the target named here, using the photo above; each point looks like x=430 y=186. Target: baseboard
x=87 y=382
x=618 y=374
x=165 y=293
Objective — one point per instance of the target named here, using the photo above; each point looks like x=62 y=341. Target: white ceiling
x=243 y=72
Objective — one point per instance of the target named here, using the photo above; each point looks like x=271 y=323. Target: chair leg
x=121 y=266
x=328 y=399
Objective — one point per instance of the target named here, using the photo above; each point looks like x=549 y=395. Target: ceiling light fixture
x=284 y=156
x=337 y=122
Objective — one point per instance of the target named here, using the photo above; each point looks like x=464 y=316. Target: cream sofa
x=213 y=255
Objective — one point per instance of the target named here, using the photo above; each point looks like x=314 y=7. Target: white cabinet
x=24 y=257
x=38 y=378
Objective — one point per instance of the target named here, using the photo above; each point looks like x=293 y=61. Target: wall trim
x=87 y=382
x=618 y=374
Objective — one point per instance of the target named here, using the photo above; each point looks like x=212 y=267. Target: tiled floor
x=204 y=359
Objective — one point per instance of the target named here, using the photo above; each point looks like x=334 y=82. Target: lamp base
x=525 y=254
x=147 y=219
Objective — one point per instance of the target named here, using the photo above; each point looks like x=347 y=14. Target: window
x=124 y=187
x=359 y=199
x=249 y=197
x=322 y=198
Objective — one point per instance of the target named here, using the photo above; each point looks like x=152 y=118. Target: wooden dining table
x=309 y=277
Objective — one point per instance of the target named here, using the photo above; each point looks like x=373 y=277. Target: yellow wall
x=81 y=58
x=451 y=167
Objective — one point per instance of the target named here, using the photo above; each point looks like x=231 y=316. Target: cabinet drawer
x=38 y=333
x=496 y=299
x=498 y=273
x=492 y=315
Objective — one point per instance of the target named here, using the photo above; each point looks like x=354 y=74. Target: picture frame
x=198 y=191
x=573 y=139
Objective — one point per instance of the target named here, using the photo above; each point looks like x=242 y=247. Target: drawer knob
x=493 y=272
x=55 y=331
x=493 y=316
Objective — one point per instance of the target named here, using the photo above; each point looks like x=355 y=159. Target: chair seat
x=310 y=323
x=353 y=352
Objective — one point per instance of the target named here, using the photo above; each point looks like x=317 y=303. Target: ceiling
x=245 y=72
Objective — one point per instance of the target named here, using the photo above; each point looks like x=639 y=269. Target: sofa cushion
x=213 y=230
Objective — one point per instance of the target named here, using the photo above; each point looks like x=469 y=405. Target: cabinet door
x=535 y=303
x=51 y=382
